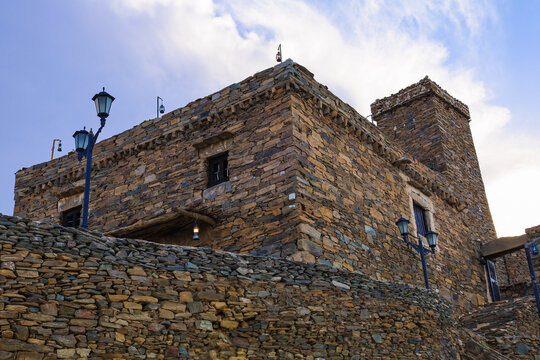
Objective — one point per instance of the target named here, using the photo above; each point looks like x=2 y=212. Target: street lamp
x=431 y=236
x=84 y=144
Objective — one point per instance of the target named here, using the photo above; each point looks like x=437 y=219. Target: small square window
x=71 y=217
x=218 y=169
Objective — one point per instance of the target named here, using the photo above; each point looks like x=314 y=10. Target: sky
x=57 y=54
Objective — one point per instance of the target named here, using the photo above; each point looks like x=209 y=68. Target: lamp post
x=403 y=225
x=84 y=144
x=528 y=247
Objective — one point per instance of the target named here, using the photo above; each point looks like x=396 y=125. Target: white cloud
x=362 y=50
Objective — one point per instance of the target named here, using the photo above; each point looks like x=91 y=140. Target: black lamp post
x=431 y=236
x=84 y=144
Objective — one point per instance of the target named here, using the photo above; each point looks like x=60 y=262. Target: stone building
x=507 y=259
x=276 y=165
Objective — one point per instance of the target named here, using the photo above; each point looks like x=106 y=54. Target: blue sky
x=57 y=54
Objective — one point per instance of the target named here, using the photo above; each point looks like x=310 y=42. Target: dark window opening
x=218 y=169
x=71 y=217
x=420 y=217
x=494 y=291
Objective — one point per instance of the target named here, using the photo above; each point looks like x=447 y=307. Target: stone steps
x=502 y=324
x=475 y=349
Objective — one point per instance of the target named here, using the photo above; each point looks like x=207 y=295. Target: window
x=494 y=291
x=72 y=217
x=218 y=169
x=420 y=217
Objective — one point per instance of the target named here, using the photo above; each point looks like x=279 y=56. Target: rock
x=49 y=309
x=166 y=314
x=7 y=273
x=243 y=271
x=21 y=332
x=25 y=355
x=173 y=306
x=65 y=340
x=195 y=307
x=17 y=345
x=65 y=353
x=341 y=285
x=144 y=299
x=310 y=246
x=27 y=273
x=523 y=348
x=186 y=297
x=117 y=298
x=204 y=325
x=308 y=229
x=302 y=311
x=377 y=338
x=209 y=296
x=229 y=324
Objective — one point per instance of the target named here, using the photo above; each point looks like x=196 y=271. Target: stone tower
x=433 y=127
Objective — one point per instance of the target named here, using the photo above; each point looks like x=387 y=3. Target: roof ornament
x=278 y=55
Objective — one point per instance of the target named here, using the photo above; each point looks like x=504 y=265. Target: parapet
x=424 y=87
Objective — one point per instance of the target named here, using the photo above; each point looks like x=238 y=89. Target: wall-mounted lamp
x=196 y=232
x=431 y=236
x=59 y=147
x=160 y=109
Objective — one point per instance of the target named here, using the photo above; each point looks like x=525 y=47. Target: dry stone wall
x=511 y=327
x=70 y=294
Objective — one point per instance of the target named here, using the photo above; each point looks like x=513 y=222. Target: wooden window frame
x=221 y=174
x=71 y=217
x=420 y=218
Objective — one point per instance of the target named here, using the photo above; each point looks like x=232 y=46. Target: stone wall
x=513 y=271
x=433 y=127
x=71 y=294
x=354 y=184
x=148 y=171
x=310 y=180
x=512 y=327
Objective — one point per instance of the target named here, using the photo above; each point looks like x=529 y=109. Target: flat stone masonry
x=310 y=180
x=513 y=271
x=70 y=294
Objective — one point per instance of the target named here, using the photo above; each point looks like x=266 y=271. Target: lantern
x=403 y=225
x=432 y=238
x=103 y=103
x=82 y=139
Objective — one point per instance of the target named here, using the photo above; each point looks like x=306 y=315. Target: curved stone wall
x=73 y=294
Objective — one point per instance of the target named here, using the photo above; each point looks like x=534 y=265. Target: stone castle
x=296 y=196
x=276 y=165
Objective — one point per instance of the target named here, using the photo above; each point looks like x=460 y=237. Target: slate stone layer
x=69 y=294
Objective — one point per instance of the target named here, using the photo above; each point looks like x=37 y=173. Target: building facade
x=276 y=165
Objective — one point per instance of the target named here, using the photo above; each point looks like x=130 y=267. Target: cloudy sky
x=57 y=54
